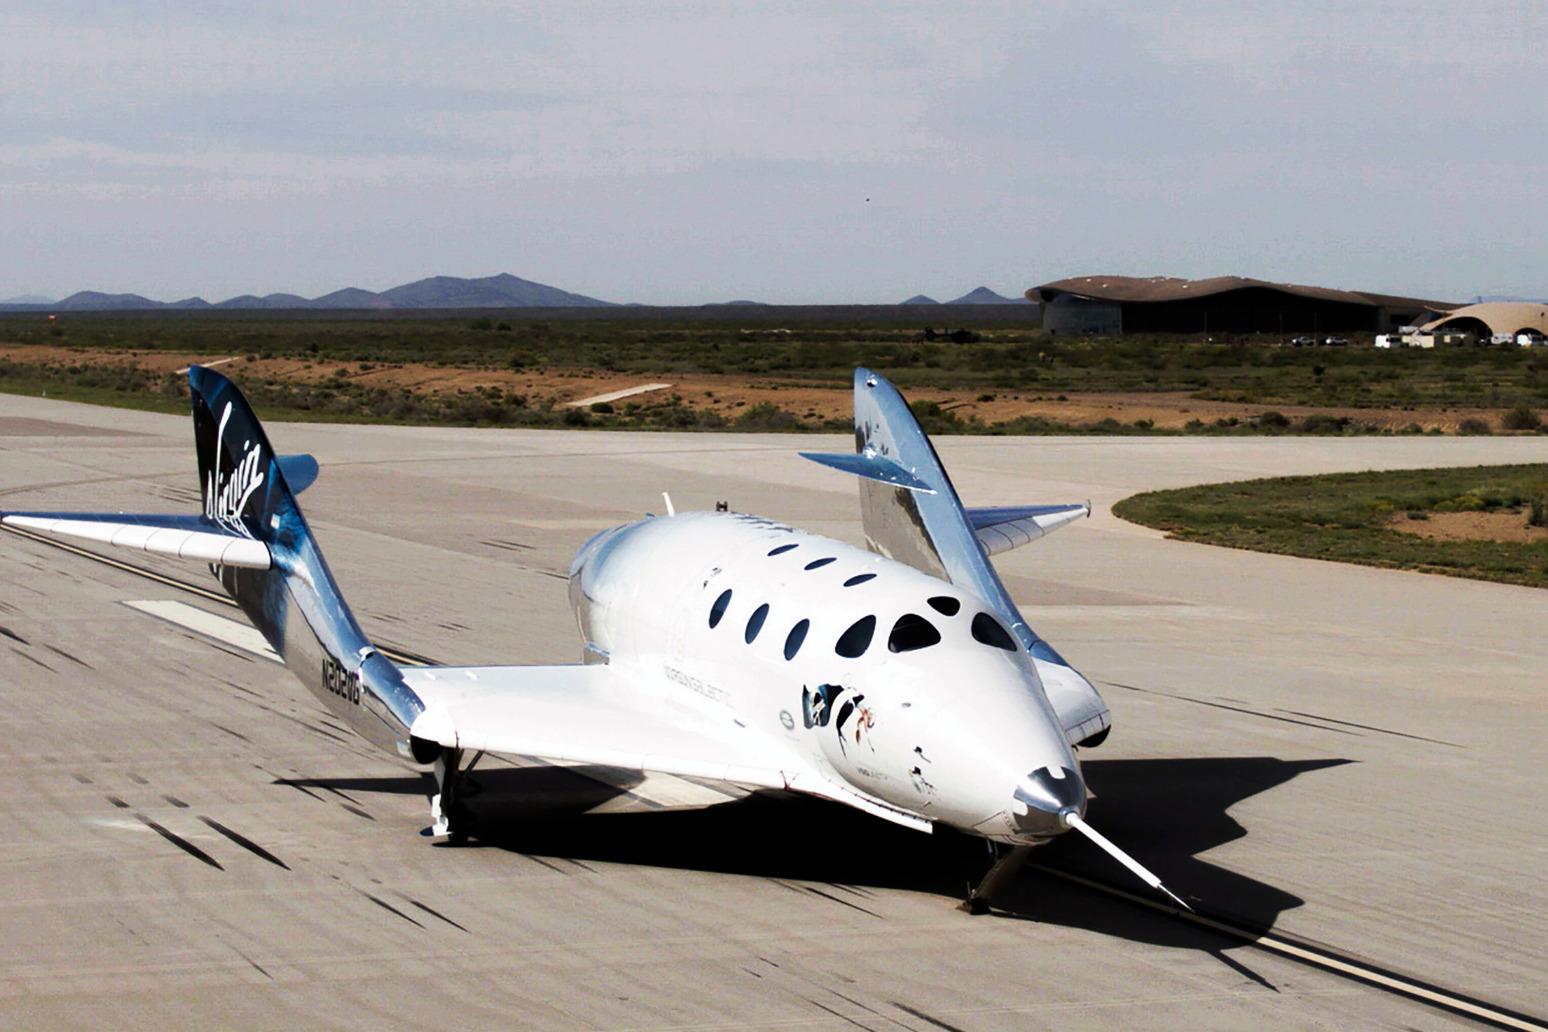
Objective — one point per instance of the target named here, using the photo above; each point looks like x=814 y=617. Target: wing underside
x=1004 y=528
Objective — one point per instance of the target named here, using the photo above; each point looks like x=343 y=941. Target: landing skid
x=1004 y=869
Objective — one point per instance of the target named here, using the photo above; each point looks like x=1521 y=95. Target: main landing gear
x=451 y=819
x=1006 y=865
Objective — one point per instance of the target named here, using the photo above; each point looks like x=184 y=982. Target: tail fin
x=239 y=477
x=295 y=603
x=911 y=513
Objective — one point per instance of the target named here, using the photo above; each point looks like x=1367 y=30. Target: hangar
x=1495 y=318
x=1225 y=304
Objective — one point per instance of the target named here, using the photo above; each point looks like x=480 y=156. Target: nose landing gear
x=1005 y=867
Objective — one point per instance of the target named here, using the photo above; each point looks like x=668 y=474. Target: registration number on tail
x=343 y=683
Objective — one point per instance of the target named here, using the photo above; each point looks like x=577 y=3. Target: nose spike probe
x=1074 y=820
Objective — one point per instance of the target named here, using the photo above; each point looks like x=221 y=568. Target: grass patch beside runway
x=1484 y=522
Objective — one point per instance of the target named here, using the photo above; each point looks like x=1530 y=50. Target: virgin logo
x=226 y=496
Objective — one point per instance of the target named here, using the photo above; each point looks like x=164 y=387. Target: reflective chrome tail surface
x=295 y=603
x=1075 y=821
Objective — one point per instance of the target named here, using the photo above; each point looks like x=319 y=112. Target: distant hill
x=27 y=299
x=95 y=301
x=1486 y=298
x=921 y=299
x=502 y=291
x=351 y=297
x=736 y=304
x=985 y=296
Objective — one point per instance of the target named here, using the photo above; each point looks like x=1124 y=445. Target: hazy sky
x=797 y=152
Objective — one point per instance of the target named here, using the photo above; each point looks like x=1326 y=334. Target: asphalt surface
x=1350 y=758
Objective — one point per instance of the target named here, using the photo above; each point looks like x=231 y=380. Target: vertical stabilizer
x=295 y=604
x=911 y=513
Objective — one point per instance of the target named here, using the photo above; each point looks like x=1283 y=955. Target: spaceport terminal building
x=1223 y=304
x=1494 y=319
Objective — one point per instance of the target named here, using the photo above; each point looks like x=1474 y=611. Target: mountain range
x=502 y=291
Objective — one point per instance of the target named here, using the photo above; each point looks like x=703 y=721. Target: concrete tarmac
x=1351 y=757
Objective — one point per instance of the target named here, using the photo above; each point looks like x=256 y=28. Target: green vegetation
x=823 y=345
x=1347 y=516
x=795 y=346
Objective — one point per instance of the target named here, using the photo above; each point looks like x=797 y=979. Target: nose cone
x=1043 y=797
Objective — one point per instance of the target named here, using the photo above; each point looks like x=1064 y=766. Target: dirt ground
x=731 y=393
x=1472 y=526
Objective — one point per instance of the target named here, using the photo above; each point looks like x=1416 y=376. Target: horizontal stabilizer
x=185 y=537
x=871 y=467
x=1003 y=528
x=300 y=471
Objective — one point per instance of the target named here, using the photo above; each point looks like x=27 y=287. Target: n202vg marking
x=343 y=683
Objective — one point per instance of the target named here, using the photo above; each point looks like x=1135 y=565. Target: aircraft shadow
x=1165 y=812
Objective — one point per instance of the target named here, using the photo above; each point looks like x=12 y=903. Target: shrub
x=1521 y=418
x=1321 y=423
x=767 y=416
x=1472 y=426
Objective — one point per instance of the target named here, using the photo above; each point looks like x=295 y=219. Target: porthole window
x=817 y=563
x=794 y=639
x=987 y=629
x=859 y=578
x=755 y=622
x=912 y=632
x=718 y=610
x=781 y=550
x=853 y=642
x=945 y=605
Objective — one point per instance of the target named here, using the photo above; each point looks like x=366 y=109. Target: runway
x=1348 y=758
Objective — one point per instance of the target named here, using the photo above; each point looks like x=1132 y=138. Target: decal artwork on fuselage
x=226 y=496
x=854 y=720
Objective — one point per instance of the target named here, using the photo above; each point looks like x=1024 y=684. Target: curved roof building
x=1495 y=317
x=1225 y=304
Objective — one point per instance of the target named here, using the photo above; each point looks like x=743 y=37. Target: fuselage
x=885 y=679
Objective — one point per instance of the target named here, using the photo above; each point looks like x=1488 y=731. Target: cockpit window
x=945 y=605
x=912 y=632
x=987 y=629
x=853 y=642
x=755 y=622
x=719 y=608
x=815 y=563
x=782 y=549
x=794 y=639
x=859 y=578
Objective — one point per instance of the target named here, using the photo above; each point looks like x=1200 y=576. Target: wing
x=594 y=714
x=1002 y=529
x=581 y=714
x=185 y=537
